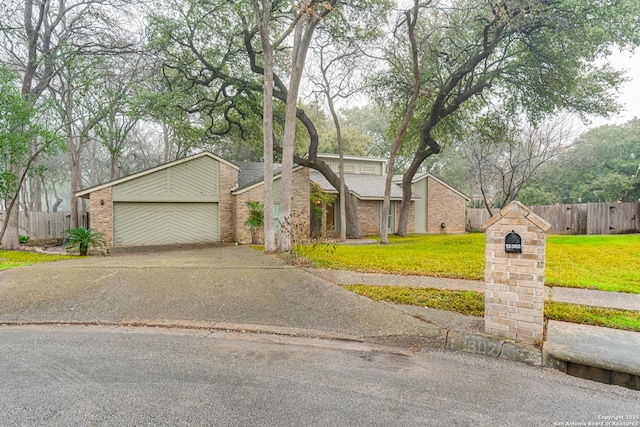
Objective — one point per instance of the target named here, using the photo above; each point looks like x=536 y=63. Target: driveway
x=221 y=287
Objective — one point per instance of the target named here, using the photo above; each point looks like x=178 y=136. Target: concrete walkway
x=593 y=298
x=588 y=297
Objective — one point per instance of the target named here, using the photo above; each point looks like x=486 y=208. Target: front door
x=331 y=217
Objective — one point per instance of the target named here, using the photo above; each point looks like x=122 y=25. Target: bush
x=23 y=238
x=82 y=238
x=255 y=220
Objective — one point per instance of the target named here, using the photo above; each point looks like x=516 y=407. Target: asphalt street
x=95 y=375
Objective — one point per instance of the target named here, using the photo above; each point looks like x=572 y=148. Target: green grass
x=11 y=259
x=471 y=303
x=456 y=256
x=608 y=263
x=465 y=302
x=595 y=316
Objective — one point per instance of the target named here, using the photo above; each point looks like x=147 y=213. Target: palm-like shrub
x=81 y=238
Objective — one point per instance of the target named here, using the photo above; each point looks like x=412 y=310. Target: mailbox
x=513 y=242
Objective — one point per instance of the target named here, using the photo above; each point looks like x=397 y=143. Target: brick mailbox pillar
x=514 y=273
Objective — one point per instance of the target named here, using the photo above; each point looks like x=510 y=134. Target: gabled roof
x=251 y=175
x=398 y=179
x=349 y=157
x=85 y=192
x=517 y=210
x=364 y=187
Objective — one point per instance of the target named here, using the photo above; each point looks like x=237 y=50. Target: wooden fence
x=46 y=225
x=580 y=218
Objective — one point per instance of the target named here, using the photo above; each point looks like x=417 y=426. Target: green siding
x=165 y=223
x=355 y=166
x=277 y=189
x=193 y=181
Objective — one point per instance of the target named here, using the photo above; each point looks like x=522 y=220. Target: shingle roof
x=253 y=172
x=366 y=187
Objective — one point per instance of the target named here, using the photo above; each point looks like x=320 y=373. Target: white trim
x=375 y=198
x=429 y=175
x=337 y=156
x=155 y=169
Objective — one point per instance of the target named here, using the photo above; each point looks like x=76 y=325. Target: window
x=276 y=221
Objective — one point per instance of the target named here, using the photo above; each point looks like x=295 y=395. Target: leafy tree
x=21 y=142
x=537 y=56
x=39 y=38
x=213 y=54
x=601 y=165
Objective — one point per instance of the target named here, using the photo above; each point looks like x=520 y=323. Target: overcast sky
x=630 y=92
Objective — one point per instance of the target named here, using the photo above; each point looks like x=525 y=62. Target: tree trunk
x=352 y=225
x=341 y=190
x=301 y=40
x=10 y=239
x=407 y=178
x=354 y=229
x=46 y=193
x=76 y=182
x=269 y=226
x=35 y=189
x=263 y=17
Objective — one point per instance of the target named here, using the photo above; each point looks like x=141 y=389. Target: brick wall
x=369 y=216
x=242 y=231
x=514 y=288
x=411 y=228
x=444 y=206
x=102 y=213
x=226 y=206
x=300 y=206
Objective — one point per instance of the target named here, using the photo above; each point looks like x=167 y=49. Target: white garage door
x=165 y=223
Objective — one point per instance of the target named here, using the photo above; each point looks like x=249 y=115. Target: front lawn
x=471 y=303
x=609 y=263
x=11 y=259
x=465 y=302
x=457 y=256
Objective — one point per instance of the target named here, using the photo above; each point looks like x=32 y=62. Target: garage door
x=165 y=223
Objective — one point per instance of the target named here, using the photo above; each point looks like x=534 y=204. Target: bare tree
x=504 y=163
x=413 y=80
x=339 y=75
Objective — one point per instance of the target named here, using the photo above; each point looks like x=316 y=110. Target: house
x=439 y=208
x=203 y=198
x=436 y=207
x=365 y=177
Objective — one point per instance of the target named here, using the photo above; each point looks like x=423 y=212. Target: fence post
x=514 y=273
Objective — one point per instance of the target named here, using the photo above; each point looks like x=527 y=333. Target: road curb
x=434 y=338
x=491 y=346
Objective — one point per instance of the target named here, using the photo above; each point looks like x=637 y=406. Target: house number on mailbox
x=513 y=242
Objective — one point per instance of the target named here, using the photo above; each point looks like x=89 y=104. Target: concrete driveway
x=221 y=287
